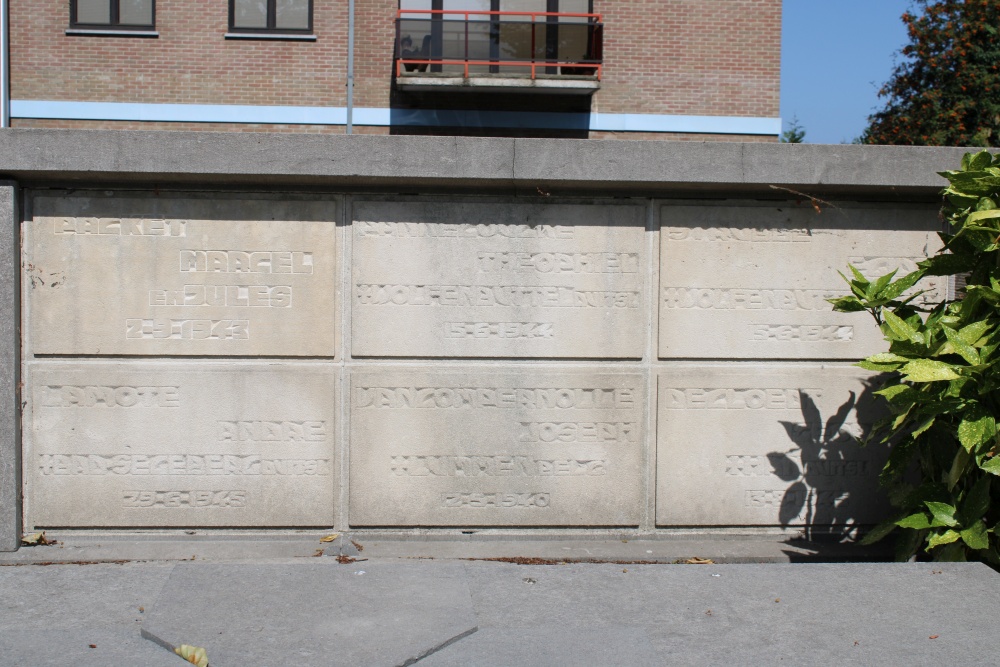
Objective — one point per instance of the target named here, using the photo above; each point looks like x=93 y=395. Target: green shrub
x=943 y=393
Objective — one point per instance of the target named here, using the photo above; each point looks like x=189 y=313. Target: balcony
x=455 y=50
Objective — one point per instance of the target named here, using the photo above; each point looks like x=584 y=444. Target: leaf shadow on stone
x=832 y=477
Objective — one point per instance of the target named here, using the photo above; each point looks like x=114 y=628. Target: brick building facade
x=673 y=69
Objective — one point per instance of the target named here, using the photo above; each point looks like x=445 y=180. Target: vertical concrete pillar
x=10 y=421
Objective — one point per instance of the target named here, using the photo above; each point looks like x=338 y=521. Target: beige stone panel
x=764 y=445
x=203 y=275
x=498 y=280
x=478 y=447
x=180 y=444
x=750 y=280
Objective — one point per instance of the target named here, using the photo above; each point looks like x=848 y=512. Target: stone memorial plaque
x=169 y=444
x=159 y=275
x=760 y=445
x=487 y=448
x=498 y=280
x=751 y=281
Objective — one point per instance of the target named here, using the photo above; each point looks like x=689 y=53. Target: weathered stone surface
x=498 y=280
x=765 y=445
x=10 y=345
x=750 y=281
x=316 y=613
x=158 y=275
x=136 y=444
x=490 y=447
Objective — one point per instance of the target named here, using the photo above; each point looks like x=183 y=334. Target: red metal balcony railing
x=465 y=43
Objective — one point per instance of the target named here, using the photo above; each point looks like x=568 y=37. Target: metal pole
x=4 y=64
x=350 y=65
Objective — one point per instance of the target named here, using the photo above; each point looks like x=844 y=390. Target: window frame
x=272 y=10
x=114 y=18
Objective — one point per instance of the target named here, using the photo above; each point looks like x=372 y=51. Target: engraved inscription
x=726 y=298
x=592 y=398
x=748 y=234
x=199 y=499
x=171 y=329
x=498 y=279
x=805 y=333
x=578 y=432
x=196 y=275
x=769 y=498
x=246 y=261
x=495 y=499
x=368 y=228
x=519 y=296
x=748 y=465
x=497 y=465
x=89 y=396
x=498 y=330
x=735 y=399
x=138 y=226
x=179 y=464
x=272 y=431
x=250 y=296
x=559 y=262
x=495 y=442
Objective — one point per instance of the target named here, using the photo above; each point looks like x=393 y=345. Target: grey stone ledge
x=533 y=167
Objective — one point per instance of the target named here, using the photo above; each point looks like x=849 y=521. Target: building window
x=113 y=14
x=270 y=16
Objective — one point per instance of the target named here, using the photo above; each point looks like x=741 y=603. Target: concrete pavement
x=274 y=602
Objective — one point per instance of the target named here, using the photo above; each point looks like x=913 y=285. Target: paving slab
x=52 y=615
x=802 y=614
x=321 y=613
x=571 y=647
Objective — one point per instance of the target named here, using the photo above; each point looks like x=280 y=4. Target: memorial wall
x=273 y=332
x=200 y=359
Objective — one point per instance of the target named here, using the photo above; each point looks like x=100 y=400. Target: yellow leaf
x=193 y=654
x=329 y=538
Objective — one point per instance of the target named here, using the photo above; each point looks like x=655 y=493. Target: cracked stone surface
x=313 y=614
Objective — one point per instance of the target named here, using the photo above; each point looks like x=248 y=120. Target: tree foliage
x=944 y=392
x=946 y=89
x=795 y=134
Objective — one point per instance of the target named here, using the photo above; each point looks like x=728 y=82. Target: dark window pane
x=135 y=12
x=250 y=14
x=93 y=11
x=292 y=15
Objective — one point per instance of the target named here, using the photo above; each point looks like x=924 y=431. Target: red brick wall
x=688 y=57
x=691 y=57
x=190 y=62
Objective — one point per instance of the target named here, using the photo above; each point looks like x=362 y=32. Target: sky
x=835 y=55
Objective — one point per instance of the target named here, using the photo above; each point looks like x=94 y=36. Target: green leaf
x=901 y=285
x=858 y=276
x=991 y=466
x=928 y=370
x=947 y=537
x=894 y=391
x=875 y=288
x=973 y=332
x=966 y=351
x=958 y=466
x=882 y=368
x=947 y=264
x=982 y=215
x=916 y=521
x=943 y=513
x=976 y=429
x=977 y=501
x=878 y=532
x=975 y=536
x=901 y=328
x=847 y=304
